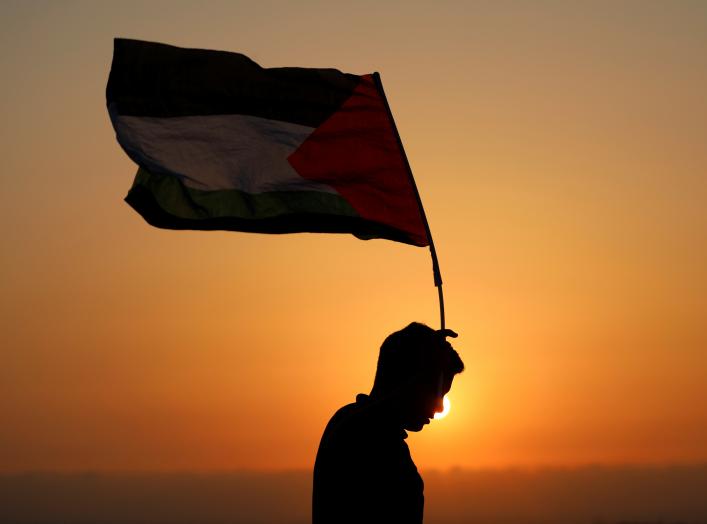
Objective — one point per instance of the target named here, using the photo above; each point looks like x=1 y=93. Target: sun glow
x=446 y=406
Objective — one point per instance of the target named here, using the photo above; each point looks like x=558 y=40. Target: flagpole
x=433 y=252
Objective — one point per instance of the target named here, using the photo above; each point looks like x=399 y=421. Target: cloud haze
x=550 y=496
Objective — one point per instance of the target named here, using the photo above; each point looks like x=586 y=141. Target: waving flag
x=222 y=143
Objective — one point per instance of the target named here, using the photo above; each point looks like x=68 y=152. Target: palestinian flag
x=222 y=143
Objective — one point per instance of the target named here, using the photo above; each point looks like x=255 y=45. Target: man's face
x=424 y=400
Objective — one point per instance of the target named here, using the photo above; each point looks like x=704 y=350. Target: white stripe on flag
x=218 y=152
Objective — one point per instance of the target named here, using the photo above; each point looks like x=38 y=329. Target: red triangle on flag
x=356 y=152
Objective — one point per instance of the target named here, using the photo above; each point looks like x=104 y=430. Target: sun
x=446 y=406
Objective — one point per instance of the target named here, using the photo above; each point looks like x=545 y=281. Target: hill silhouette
x=587 y=495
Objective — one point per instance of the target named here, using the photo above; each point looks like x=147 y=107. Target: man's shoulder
x=351 y=417
x=361 y=422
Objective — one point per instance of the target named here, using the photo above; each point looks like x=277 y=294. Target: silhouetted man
x=364 y=472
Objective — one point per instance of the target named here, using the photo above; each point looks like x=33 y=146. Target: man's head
x=416 y=365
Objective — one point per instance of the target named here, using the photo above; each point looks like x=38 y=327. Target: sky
x=559 y=148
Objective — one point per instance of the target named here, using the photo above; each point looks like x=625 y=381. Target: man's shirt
x=364 y=472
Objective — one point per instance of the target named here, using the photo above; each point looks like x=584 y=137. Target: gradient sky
x=560 y=150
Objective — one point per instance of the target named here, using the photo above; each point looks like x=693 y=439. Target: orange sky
x=559 y=150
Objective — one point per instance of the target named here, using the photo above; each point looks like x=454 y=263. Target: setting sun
x=446 y=405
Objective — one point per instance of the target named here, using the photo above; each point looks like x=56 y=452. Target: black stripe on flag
x=160 y=80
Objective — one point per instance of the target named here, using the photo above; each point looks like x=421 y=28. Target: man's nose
x=439 y=405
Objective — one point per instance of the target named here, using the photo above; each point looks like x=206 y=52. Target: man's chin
x=418 y=425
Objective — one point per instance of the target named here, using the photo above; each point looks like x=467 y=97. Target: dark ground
x=591 y=495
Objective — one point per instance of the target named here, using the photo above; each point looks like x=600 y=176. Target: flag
x=223 y=143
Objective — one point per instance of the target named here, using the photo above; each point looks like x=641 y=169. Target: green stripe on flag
x=181 y=201
x=165 y=202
